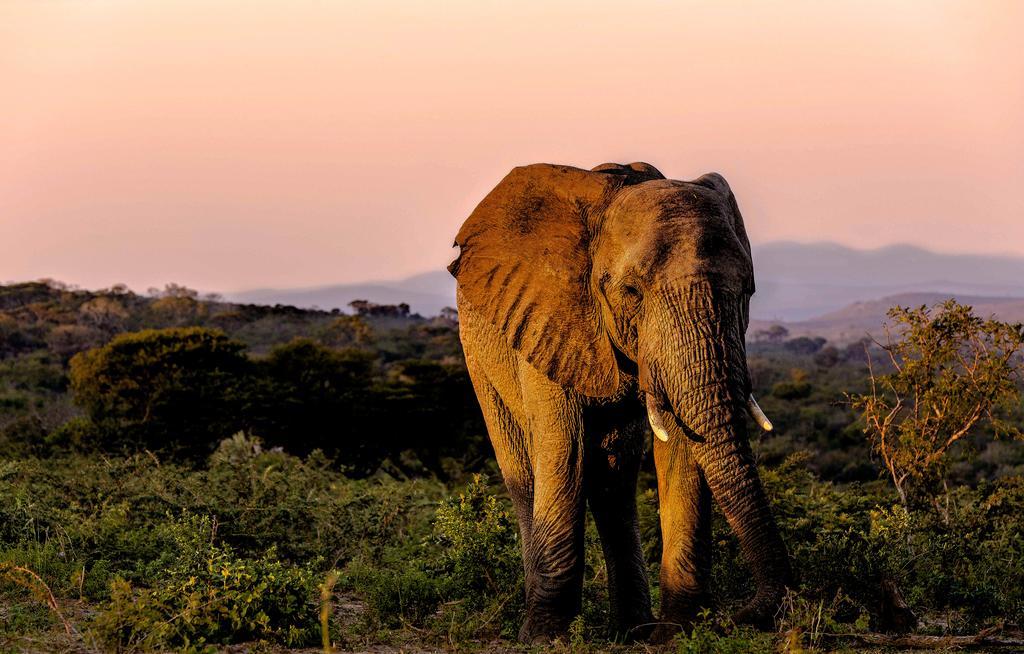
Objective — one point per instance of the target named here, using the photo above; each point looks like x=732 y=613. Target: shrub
x=393 y=594
x=471 y=563
x=797 y=388
x=479 y=542
x=953 y=375
x=167 y=389
x=430 y=412
x=707 y=637
x=306 y=507
x=208 y=594
x=105 y=514
x=479 y=560
x=322 y=394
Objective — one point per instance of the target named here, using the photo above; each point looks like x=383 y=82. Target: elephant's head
x=590 y=273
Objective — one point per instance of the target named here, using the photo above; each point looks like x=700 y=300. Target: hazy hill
x=426 y=294
x=798 y=281
x=859 y=318
x=795 y=282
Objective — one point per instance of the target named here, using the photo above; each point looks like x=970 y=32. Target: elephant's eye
x=631 y=295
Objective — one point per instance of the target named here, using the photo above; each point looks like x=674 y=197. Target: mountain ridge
x=797 y=282
x=859 y=319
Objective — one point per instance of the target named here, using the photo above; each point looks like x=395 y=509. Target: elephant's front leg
x=554 y=555
x=612 y=466
x=684 y=501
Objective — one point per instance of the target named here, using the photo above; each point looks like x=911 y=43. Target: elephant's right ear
x=524 y=264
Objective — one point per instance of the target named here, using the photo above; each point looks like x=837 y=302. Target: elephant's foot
x=633 y=628
x=762 y=611
x=664 y=632
x=542 y=630
x=529 y=636
x=680 y=618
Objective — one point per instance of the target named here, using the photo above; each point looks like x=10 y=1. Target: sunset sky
x=233 y=145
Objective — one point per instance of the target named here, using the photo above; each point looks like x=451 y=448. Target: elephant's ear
x=717 y=182
x=524 y=263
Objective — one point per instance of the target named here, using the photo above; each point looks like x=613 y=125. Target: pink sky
x=232 y=145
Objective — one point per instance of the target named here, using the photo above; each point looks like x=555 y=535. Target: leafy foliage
x=479 y=543
x=355 y=441
x=170 y=556
x=707 y=637
x=305 y=388
x=953 y=373
x=145 y=389
x=205 y=593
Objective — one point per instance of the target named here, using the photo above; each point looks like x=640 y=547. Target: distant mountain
x=426 y=294
x=795 y=281
x=855 y=320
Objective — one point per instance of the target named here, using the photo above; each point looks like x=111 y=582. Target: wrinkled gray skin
x=587 y=298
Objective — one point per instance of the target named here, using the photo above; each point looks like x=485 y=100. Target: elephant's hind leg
x=612 y=465
x=684 y=501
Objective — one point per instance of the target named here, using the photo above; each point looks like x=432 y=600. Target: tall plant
x=953 y=375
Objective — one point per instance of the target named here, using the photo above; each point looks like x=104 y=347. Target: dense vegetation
x=180 y=472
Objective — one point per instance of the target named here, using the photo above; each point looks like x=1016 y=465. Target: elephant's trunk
x=699 y=376
x=729 y=468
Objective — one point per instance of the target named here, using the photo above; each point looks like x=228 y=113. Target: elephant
x=593 y=303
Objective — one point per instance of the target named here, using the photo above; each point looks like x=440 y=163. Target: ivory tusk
x=656 y=425
x=757 y=414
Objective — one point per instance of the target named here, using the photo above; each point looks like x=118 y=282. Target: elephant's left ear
x=525 y=265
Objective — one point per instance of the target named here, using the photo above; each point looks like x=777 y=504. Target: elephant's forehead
x=705 y=253
x=668 y=196
x=673 y=219
x=671 y=229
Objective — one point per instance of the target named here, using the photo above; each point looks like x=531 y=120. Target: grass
x=133 y=553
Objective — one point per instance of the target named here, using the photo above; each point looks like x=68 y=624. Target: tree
x=432 y=413
x=176 y=309
x=180 y=389
x=117 y=289
x=952 y=375
x=805 y=345
x=450 y=315
x=774 y=334
x=314 y=397
x=367 y=308
x=104 y=312
x=827 y=357
x=67 y=340
x=346 y=331
x=174 y=290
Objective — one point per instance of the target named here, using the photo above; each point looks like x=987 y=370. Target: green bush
x=971 y=566
x=325 y=395
x=479 y=543
x=178 y=389
x=464 y=578
x=707 y=637
x=105 y=514
x=121 y=538
x=792 y=390
x=847 y=541
x=20 y=616
x=396 y=593
x=208 y=594
x=305 y=506
x=478 y=565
